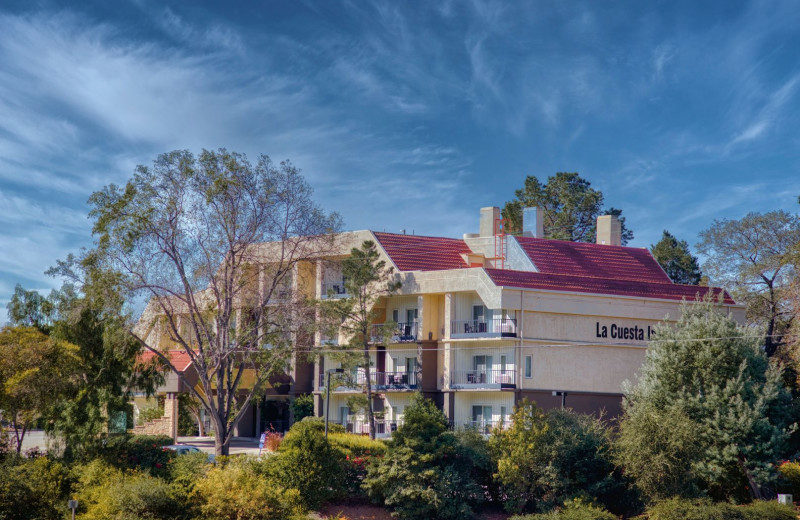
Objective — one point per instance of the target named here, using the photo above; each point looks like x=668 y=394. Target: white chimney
x=488 y=217
x=533 y=222
x=609 y=230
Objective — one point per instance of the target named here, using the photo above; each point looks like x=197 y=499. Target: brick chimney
x=609 y=230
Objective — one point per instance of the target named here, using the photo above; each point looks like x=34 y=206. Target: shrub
x=307 y=463
x=151 y=413
x=357 y=445
x=143 y=452
x=547 y=459
x=302 y=406
x=272 y=441
x=575 y=510
x=428 y=472
x=108 y=493
x=705 y=509
x=34 y=489
x=237 y=491
x=790 y=475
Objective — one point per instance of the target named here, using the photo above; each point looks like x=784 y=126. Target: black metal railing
x=334 y=290
x=399 y=333
x=379 y=380
x=491 y=327
x=484 y=377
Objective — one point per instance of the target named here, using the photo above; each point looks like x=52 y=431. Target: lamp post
x=328 y=396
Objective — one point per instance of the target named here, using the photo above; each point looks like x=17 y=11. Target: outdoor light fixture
x=328 y=396
x=72 y=504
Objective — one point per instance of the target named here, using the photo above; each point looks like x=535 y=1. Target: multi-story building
x=489 y=319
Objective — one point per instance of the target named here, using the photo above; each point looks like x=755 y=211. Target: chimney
x=488 y=217
x=533 y=222
x=609 y=230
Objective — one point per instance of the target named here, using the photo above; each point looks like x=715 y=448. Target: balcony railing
x=334 y=290
x=381 y=381
x=383 y=427
x=400 y=333
x=486 y=427
x=489 y=379
x=484 y=328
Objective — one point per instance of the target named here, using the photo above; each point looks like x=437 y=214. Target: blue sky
x=401 y=114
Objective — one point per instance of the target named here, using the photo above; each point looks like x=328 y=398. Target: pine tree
x=677 y=261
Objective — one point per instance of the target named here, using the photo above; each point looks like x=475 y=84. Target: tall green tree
x=212 y=242
x=367 y=280
x=30 y=309
x=36 y=373
x=570 y=205
x=674 y=257
x=708 y=409
x=755 y=259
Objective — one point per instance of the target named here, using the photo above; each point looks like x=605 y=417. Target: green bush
x=306 y=462
x=429 y=472
x=547 y=459
x=237 y=491
x=790 y=477
x=151 y=413
x=575 y=510
x=357 y=445
x=109 y=493
x=143 y=452
x=302 y=406
x=705 y=509
x=33 y=489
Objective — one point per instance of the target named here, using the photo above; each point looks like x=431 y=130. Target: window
x=478 y=312
x=411 y=315
x=528 y=366
x=395 y=315
x=502 y=364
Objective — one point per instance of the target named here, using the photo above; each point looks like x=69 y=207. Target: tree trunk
x=755 y=490
x=221 y=446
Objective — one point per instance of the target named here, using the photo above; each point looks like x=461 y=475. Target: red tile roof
x=593 y=260
x=179 y=358
x=418 y=253
x=585 y=284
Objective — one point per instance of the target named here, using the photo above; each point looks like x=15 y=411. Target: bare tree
x=213 y=242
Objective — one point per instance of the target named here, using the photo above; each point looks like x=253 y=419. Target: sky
x=402 y=115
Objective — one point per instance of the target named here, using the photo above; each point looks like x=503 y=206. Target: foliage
x=704 y=509
x=36 y=373
x=547 y=459
x=143 y=452
x=357 y=445
x=753 y=259
x=367 y=280
x=33 y=489
x=237 y=491
x=790 y=477
x=108 y=493
x=676 y=259
x=302 y=406
x=272 y=440
x=151 y=413
x=30 y=309
x=214 y=288
x=306 y=462
x=185 y=470
x=570 y=206
x=429 y=472
x=708 y=369
x=574 y=510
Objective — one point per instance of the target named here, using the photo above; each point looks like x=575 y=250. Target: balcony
x=484 y=328
x=332 y=291
x=383 y=427
x=401 y=333
x=486 y=427
x=381 y=381
x=483 y=379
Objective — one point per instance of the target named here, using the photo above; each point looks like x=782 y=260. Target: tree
x=677 y=261
x=430 y=472
x=367 y=279
x=705 y=382
x=36 y=372
x=753 y=258
x=30 y=309
x=213 y=241
x=570 y=207
x=544 y=460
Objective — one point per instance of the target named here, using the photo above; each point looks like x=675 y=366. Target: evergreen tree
x=710 y=373
x=570 y=206
x=676 y=260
